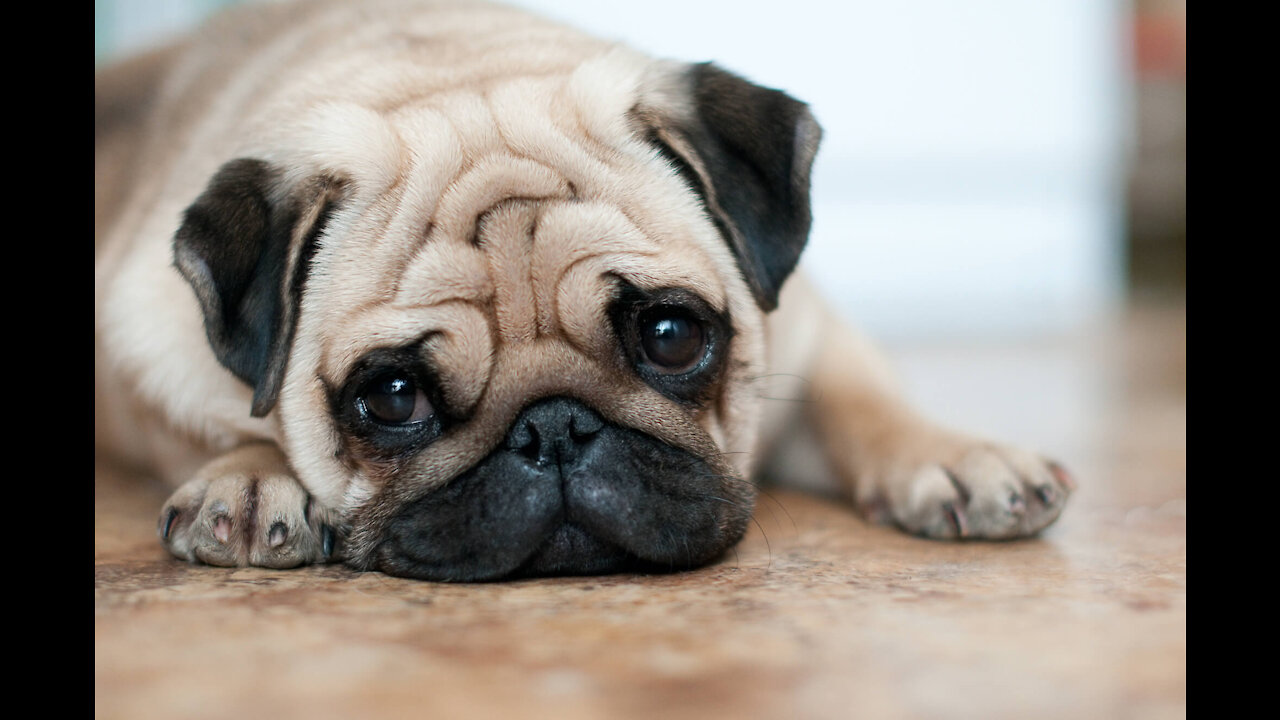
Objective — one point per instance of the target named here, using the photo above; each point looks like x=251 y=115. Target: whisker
x=803 y=379
x=767 y=545
x=781 y=506
x=772 y=514
x=801 y=394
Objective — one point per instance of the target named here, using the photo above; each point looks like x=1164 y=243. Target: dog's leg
x=899 y=467
x=246 y=508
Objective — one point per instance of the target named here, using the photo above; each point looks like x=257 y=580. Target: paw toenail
x=1016 y=504
x=222 y=529
x=276 y=537
x=960 y=488
x=167 y=526
x=957 y=519
x=1063 y=476
x=326 y=534
x=1046 y=494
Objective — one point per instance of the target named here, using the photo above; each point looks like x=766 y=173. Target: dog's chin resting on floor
x=450 y=291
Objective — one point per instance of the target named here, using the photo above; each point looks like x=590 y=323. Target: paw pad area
x=987 y=492
x=247 y=519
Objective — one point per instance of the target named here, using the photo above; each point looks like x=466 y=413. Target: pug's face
x=515 y=332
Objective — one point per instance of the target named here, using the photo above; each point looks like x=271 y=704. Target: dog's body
x=453 y=292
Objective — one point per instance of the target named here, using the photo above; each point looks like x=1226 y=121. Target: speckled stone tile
x=816 y=614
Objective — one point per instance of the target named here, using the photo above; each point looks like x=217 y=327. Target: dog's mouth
x=570 y=550
x=568 y=494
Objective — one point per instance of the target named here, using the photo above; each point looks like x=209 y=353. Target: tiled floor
x=815 y=615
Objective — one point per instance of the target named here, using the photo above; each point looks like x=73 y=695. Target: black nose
x=553 y=431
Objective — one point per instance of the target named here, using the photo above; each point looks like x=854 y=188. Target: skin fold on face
x=459 y=387
x=572 y=441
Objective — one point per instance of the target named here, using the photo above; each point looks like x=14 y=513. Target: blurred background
x=990 y=169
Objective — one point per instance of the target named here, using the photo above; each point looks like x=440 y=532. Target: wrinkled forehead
x=513 y=214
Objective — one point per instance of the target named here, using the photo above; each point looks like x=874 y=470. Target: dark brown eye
x=394 y=399
x=672 y=343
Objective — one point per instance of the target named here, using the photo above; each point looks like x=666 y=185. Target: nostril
x=551 y=431
x=585 y=424
x=523 y=438
x=533 y=449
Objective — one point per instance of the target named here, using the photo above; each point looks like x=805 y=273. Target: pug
x=453 y=292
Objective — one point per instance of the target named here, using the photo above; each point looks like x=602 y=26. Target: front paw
x=247 y=509
x=976 y=491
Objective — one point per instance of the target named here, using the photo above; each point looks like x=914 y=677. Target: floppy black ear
x=245 y=246
x=749 y=150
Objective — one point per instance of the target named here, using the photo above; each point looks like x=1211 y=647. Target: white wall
x=970 y=175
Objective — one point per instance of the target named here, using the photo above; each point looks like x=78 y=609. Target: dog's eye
x=672 y=343
x=394 y=399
